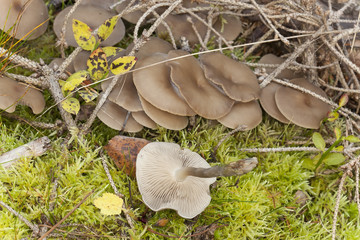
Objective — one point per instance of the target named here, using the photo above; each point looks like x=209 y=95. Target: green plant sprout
x=332 y=155
x=100 y=63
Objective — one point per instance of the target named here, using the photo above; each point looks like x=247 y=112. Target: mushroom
x=170 y=177
x=114 y=116
x=132 y=17
x=188 y=76
x=267 y=100
x=93 y=17
x=142 y=118
x=300 y=108
x=228 y=26
x=106 y=4
x=25 y=16
x=163 y=118
x=236 y=79
x=153 y=84
x=181 y=27
x=284 y=74
x=13 y=93
x=243 y=114
x=80 y=60
x=153 y=45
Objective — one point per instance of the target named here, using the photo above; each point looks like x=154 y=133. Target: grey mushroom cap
x=243 y=114
x=114 y=116
x=33 y=13
x=205 y=99
x=156 y=167
x=93 y=17
x=142 y=118
x=301 y=108
x=106 y=4
x=267 y=100
x=284 y=74
x=236 y=79
x=58 y=61
x=13 y=93
x=154 y=85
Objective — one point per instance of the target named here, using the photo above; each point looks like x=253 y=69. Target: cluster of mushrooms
x=168 y=86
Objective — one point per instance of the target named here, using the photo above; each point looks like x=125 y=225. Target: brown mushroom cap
x=236 y=79
x=201 y=96
x=132 y=17
x=154 y=85
x=106 y=4
x=13 y=93
x=156 y=166
x=93 y=17
x=80 y=60
x=33 y=13
x=230 y=28
x=142 y=118
x=301 y=108
x=154 y=45
x=286 y=73
x=267 y=100
x=248 y=114
x=180 y=27
x=164 y=119
x=114 y=116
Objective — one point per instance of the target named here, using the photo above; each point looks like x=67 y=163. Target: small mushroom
x=93 y=17
x=243 y=114
x=267 y=100
x=236 y=79
x=114 y=116
x=300 y=108
x=26 y=16
x=170 y=177
x=284 y=74
x=142 y=118
x=153 y=84
x=228 y=26
x=187 y=74
x=13 y=93
x=163 y=118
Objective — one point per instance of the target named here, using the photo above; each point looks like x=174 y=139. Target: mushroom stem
x=237 y=168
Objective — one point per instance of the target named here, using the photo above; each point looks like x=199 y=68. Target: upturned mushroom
x=29 y=18
x=205 y=99
x=235 y=78
x=301 y=108
x=91 y=15
x=170 y=177
x=13 y=93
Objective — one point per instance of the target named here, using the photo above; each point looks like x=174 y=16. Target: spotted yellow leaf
x=109 y=204
x=122 y=64
x=107 y=28
x=75 y=80
x=111 y=52
x=71 y=105
x=83 y=35
x=88 y=94
x=97 y=65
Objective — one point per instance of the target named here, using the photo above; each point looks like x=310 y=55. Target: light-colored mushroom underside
x=156 y=166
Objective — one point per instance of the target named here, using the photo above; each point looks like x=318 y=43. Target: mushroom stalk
x=237 y=168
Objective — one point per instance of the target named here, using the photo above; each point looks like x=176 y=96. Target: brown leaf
x=123 y=151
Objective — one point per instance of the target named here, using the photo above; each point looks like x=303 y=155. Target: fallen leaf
x=109 y=204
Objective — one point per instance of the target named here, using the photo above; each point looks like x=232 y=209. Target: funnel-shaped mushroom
x=243 y=114
x=25 y=15
x=236 y=79
x=301 y=108
x=13 y=93
x=170 y=177
x=114 y=116
x=153 y=84
x=93 y=17
x=202 y=97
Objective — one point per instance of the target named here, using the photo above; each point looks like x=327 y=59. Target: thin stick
x=66 y=216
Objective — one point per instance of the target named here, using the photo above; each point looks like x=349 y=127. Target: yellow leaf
x=111 y=52
x=107 y=28
x=71 y=105
x=83 y=35
x=97 y=65
x=109 y=204
x=75 y=80
x=122 y=64
x=88 y=94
